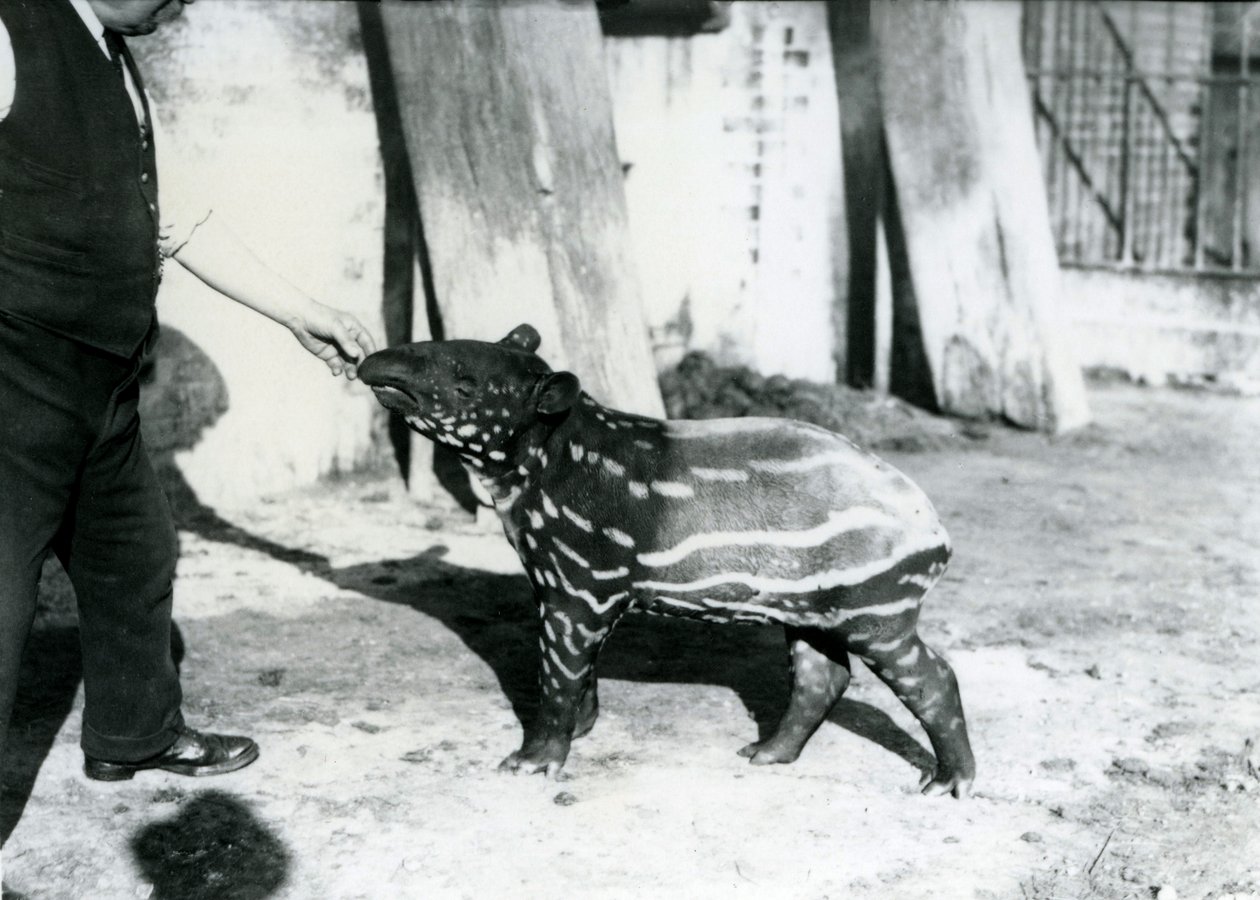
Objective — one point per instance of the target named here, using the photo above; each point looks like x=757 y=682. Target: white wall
x=266 y=109
x=1157 y=327
x=734 y=187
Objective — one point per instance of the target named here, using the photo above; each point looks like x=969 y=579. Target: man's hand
x=334 y=336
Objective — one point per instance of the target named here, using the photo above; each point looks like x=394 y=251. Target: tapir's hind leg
x=820 y=672
x=926 y=685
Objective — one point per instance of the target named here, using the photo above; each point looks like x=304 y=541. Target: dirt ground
x=1101 y=613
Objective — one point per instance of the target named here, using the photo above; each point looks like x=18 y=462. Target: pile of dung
x=698 y=388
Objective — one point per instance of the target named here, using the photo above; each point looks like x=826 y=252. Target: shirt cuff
x=174 y=235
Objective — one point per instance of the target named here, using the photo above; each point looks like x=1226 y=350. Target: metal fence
x=1148 y=120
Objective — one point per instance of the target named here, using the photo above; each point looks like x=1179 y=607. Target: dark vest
x=78 y=186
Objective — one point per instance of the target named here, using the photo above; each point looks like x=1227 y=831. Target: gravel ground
x=1101 y=614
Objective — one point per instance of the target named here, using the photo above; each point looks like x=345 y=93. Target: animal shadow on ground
x=494 y=615
x=214 y=847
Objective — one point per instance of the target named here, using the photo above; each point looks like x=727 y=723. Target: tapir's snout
x=390 y=367
x=392 y=375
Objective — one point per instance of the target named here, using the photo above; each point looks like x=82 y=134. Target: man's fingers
x=344 y=333
x=363 y=337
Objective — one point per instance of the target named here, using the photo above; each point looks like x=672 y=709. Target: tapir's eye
x=465 y=387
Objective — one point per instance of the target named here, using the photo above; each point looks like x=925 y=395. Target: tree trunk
x=973 y=212
x=508 y=121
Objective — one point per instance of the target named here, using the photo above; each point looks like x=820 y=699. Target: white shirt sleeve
x=8 y=73
x=183 y=208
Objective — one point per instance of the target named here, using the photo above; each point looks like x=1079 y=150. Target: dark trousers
x=75 y=479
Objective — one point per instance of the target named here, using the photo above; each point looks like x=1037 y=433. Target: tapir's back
x=776 y=507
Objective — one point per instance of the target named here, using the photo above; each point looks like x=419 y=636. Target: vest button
x=144 y=177
x=144 y=145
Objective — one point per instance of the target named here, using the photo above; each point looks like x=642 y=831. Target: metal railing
x=1147 y=168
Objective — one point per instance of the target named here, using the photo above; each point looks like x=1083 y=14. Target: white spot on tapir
x=529 y=539
x=887 y=646
x=618 y=536
x=498 y=455
x=551 y=578
x=673 y=489
x=638 y=489
x=910 y=658
x=584 y=524
x=576 y=451
x=550 y=508
x=571 y=553
x=614 y=468
x=466 y=430
x=535 y=519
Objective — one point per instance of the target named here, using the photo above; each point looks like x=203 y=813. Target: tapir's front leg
x=572 y=634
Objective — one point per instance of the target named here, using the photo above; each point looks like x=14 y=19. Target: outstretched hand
x=334 y=336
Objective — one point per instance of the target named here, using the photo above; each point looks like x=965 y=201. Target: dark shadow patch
x=214 y=848
x=493 y=615
x=47 y=683
x=877 y=726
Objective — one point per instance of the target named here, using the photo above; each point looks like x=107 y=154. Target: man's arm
x=220 y=259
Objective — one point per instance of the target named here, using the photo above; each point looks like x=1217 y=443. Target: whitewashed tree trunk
x=508 y=121
x=972 y=204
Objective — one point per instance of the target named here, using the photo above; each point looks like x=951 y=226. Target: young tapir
x=729 y=520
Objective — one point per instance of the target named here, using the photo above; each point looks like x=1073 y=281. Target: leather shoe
x=193 y=753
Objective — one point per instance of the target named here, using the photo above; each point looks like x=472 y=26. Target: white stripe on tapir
x=674 y=601
x=719 y=474
x=585 y=596
x=855 y=519
x=817 y=581
x=895 y=608
x=707 y=428
x=783 y=466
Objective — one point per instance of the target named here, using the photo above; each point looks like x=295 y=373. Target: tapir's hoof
x=764 y=753
x=520 y=763
x=958 y=785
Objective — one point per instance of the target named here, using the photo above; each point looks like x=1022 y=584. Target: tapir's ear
x=523 y=337
x=559 y=391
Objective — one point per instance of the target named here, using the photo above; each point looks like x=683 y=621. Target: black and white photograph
x=629 y=449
